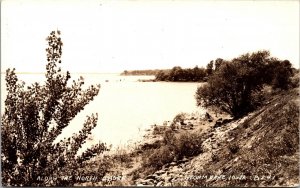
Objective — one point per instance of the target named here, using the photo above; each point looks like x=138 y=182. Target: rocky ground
x=181 y=172
x=260 y=149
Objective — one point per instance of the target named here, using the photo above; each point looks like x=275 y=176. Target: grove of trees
x=178 y=74
x=35 y=116
x=236 y=86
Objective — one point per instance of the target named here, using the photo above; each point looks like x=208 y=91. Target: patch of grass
x=187 y=145
x=169 y=137
x=97 y=167
x=122 y=155
x=174 y=147
x=156 y=158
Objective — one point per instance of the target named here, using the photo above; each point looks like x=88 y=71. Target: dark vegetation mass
x=178 y=74
x=172 y=148
x=236 y=86
x=139 y=72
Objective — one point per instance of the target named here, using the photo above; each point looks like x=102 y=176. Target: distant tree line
x=178 y=74
x=140 y=72
x=271 y=71
x=235 y=86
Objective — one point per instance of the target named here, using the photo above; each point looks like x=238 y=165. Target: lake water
x=126 y=107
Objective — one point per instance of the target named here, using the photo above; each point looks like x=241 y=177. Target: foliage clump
x=236 y=86
x=178 y=74
x=173 y=148
x=35 y=116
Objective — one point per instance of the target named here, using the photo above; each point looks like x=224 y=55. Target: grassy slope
x=265 y=144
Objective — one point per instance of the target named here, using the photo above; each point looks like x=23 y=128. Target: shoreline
x=154 y=80
x=215 y=151
x=128 y=160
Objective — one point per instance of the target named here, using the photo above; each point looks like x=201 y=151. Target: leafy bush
x=187 y=145
x=35 y=117
x=279 y=74
x=169 y=138
x=183 y=145
x=157 y=158
x=174 y=148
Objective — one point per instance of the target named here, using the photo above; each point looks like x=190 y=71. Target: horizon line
x=66 y=71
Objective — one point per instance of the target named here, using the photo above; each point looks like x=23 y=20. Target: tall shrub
x=234 y=85
x=35 y=116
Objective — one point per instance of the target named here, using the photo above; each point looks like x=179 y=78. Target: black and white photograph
x=150 y=93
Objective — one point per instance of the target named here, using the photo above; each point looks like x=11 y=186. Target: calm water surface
x=125 y=106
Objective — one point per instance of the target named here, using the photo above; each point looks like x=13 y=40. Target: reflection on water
x=126 y=107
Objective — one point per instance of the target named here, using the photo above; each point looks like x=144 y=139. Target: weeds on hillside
x=173 y=148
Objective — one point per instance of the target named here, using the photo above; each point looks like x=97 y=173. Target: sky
x=112 y=36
